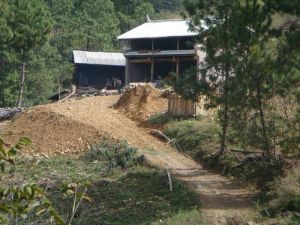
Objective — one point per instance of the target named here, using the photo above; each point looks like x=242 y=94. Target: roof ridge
x=96 y=51
x=168 y=20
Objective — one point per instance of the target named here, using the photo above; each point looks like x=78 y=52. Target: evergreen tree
x=167 y=5
x=31 y=26
x=132 y=13
x=5 y=37
x=64 y=29
x=49 y=73
x=5 y=17
x=219 y=43
x=249 y=62
x=97 y=25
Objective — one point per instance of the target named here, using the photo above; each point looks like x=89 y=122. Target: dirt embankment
x=50 y=132
x=140 y=102
x=71 y=126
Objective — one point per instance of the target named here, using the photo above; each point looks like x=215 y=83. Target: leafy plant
x=118 y=154
x=160 y=119
x=7 y=153
x=190 y=134
x=78 y=192
x=20 y=204
x=286 y=194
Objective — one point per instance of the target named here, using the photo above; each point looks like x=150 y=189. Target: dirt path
x=220 y=197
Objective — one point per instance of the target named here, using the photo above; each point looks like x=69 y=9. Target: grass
x=285 y=194
x=194 y=135
x=193 y=217
x=132 y=195
x=161 y=119
x=139 y=197
x=200 y=138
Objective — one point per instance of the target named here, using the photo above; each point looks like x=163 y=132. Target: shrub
x=160 y=119
x=286 y=194
x=118 y=154
x=190 y=135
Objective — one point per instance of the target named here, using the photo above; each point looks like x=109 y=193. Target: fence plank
x=178 y=106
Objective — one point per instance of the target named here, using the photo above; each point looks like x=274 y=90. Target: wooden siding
x=180 y=107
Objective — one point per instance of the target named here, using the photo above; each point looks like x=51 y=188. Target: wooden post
x=152 y=70
x=177 y=66
x=153 y=45
x=152 y=63
x=127 y=71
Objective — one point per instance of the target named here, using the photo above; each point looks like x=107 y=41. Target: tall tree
x=5 y=32
x=31 y=26
x=132 y=13
x=97 y=25
x=5 y=16
x=249 y=61
x=213 y=20
x=167 y=5
x=265 y=71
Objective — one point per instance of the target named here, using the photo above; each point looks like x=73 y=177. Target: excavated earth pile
x=50 y=132
x=140 y=102
x=69 y=127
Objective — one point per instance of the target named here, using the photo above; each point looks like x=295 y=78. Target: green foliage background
x=74 y=24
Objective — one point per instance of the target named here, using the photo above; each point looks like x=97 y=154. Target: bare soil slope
x=86 y=120
x=50 y=132
x=141 y=102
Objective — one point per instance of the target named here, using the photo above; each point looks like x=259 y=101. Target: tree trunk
x=225 y=115
x=225 y=94
x=22 y=79
x=87 y=43
x=262 y=117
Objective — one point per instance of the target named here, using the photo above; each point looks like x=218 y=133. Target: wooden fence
x=180 y=107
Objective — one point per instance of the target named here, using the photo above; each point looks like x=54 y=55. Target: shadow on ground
x=140 y=197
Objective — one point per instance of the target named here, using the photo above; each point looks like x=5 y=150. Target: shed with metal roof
x=96 y=69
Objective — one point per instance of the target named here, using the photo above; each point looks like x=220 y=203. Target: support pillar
x=152 y=70
x=127 y=72
x=177 y=67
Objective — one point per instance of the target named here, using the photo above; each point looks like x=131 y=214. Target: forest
x=42 y=34
x=124 y=159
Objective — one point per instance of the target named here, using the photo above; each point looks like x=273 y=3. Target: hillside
x=70 y=127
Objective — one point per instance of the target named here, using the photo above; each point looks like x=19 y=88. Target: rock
x=9 y=113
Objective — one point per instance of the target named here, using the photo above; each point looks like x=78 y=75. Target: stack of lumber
x=87 y=92
x=9 y=113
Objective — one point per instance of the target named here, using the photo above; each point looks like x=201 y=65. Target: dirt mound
x=141 y=102
x=50 y=132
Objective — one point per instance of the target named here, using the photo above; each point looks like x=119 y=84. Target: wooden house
x=157 y=48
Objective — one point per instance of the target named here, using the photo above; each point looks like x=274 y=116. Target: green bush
x=190 y=135
x=256 y=169
x=286 y=194
x=118 y=154
x=160 y=119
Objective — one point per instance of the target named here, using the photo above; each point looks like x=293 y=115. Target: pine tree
x=5 y=36
x=219 y=43
x=31 y=26
x=132 y=13
x=5 y=16
x=97 y=25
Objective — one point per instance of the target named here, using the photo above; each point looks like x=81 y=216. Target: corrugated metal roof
x=99 y=58
x=162 y=53
x=159 y=29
